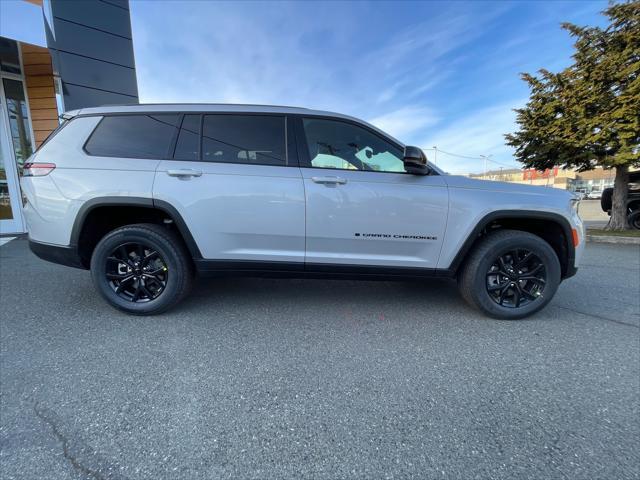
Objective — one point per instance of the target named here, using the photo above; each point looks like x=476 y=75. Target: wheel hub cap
x=516 y=278
x=136 y=272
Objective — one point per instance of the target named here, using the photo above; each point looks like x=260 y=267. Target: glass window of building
x=18 y=119
x=9 y=56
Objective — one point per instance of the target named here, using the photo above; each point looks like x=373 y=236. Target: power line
x=455 y=154
x=501 y=164
x=469 y=157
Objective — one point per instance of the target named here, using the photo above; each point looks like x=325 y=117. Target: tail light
x=37 y=169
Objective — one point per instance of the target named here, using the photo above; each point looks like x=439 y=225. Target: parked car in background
x=594 y=194
x=146 y=195
x=633 y=200
x=581 y=193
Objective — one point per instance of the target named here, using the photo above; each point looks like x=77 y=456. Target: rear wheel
x=142 y=269
x=511 y=274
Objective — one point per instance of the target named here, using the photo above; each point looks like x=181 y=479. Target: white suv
x=147 y=195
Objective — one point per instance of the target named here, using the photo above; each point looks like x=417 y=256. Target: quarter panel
x=54 y=200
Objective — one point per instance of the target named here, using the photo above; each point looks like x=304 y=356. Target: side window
x=188 y=142
x=336 y=144
x=133 y=136
x=254 y=139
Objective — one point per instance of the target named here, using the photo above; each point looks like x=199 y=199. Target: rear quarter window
x=133 y=136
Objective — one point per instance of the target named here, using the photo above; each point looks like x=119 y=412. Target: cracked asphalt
x=294 y=379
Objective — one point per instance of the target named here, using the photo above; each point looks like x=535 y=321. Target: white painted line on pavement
x=5 y=240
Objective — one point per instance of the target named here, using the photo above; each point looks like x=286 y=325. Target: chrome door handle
x=184 y=172
x=329 y=180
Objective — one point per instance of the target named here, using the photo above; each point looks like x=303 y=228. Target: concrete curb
x=613 y=239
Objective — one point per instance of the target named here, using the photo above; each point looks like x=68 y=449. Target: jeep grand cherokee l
x=146 y=196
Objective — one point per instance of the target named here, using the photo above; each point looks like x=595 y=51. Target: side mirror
x=415 y=161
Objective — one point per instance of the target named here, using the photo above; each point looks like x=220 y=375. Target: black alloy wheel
x=142 y=269
x=136 y=272
x=516 y=278
x=510 y=274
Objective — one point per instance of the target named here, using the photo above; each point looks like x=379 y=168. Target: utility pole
x=485 y=158
x=435 y=155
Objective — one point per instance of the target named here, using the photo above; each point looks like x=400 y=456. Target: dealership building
x=82 y=57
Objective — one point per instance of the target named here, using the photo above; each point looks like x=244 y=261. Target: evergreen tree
x=588 y=114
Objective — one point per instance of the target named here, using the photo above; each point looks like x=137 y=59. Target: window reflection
x=18 y=120
x=9 y=56
x=5 y=199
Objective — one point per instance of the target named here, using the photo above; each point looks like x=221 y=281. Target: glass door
x=16 y=146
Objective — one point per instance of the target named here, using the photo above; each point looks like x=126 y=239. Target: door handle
x=184 y=172
x=329 y=180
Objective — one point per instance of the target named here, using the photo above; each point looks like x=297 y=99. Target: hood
x=456 y=181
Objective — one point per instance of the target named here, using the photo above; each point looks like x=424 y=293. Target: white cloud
x=244 y=57
x=479 y=133
x=246 y=54
x=404 y=122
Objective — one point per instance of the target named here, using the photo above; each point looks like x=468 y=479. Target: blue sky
x=429 y=73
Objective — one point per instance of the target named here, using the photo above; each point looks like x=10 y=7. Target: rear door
x=362 y=208
x=235 y=181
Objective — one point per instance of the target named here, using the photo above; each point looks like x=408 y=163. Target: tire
x=606 y=200
x=525 y=290
x=634 y=219
x=163 y=264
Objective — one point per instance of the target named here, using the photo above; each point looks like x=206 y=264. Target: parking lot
x=259 y=378
x=592 y=214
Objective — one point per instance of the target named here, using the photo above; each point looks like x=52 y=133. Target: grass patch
x=613 y=233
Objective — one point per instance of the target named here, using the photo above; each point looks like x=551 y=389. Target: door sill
x=256 y=268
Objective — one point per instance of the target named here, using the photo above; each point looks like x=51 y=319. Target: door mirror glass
x=415 y=161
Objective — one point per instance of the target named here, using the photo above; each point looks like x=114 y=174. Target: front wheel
x=634 y=219
x=142 y=269
x=510 y=275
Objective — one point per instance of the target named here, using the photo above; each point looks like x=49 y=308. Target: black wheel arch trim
x=567 y=272
x=147 y=202
x=67 y=256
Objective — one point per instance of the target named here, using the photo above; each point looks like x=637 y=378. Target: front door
x=16 y=145
x=362 y=208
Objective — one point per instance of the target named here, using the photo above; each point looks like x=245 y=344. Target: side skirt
x=223 y=268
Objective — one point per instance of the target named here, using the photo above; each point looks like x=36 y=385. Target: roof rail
x=200 y=103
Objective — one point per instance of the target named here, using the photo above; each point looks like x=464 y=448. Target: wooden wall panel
x=38 y=75
x=44 y=114
x=38 y=103
x=41 y=136
x=38 y=70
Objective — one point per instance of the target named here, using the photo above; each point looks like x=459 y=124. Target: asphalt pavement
x=592 y=214
x=296 y=379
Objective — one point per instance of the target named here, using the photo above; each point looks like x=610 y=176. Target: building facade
x=87 y=60
x=567 y=179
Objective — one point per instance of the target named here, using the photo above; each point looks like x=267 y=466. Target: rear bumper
x=67 y=256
